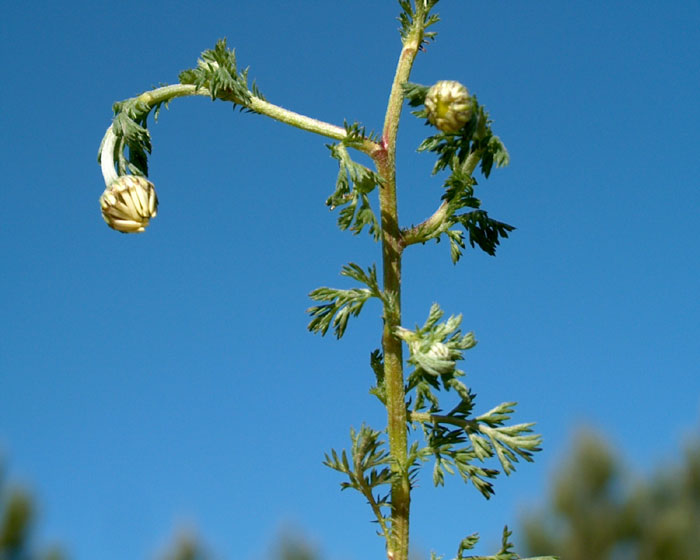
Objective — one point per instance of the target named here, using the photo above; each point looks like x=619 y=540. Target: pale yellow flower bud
x=129 y=203
x=439 y=351
x=449 y=106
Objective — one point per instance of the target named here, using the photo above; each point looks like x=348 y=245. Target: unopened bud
x=439 y=351
x=129 y=203
x=449 y=106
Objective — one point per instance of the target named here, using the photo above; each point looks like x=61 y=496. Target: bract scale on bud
x=448 y=105
x=129 y=203
x=439 y=351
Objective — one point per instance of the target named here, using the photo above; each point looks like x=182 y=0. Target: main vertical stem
x=392 y=247
x=397 y=549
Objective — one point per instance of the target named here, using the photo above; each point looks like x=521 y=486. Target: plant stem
x=166 y=93
x=376 y=509
x=437 y=223
x=392 y=247
x=307 y=123
x=109 y=142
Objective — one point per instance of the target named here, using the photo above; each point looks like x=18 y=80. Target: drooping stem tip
x=109 y=142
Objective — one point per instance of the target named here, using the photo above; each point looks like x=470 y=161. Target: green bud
x=439 y=351
x=449 y=106
x=129 y=203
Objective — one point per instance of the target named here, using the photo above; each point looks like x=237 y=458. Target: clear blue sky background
x=165 y=380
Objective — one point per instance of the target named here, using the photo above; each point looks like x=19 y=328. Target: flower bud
x=449 y=106
x=437 y=360
x=129 y=203
x=439 y=351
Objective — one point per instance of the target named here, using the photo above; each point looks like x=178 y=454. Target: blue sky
x=167 y=380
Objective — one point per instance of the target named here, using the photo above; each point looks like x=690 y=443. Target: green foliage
x=597 y=509
x=376 y=362
x=354 y=184
x=356 y=134
x=367 y=469
x=459 y=442
x=507 y=442
x=456 y=440
x=131 y=129
x=415 y=94
x=483 y=231
x=476 y=137
x=505 y=553
x=409 y=15
x=459 y=153
x=217 y=71
x=435 y=349
x=17 y=520
x=450 y=450
x=342 y=303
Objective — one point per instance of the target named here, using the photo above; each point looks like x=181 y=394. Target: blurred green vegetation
x=187 y=546
x=17 y=520
x=288 y=546
x=18 y=517
x=597 y=510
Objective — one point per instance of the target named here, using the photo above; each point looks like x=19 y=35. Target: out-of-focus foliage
x=290 y=547
x=187 y=546
x=597 y=510
x=17 y=519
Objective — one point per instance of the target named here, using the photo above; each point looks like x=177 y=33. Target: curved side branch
x=440 y=219
x=147 y=100
x=129 y=129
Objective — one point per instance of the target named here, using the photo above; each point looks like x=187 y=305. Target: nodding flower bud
x=129 y=203
x=449 y=106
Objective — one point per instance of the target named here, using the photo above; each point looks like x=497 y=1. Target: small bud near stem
x=449 y=106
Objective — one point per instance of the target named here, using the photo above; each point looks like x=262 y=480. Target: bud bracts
x=211 y=64
x=129 y=203
x=449 y=106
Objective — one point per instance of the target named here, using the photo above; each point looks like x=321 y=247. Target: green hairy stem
x=165 y=94
x=382 y=465
x=392 y=248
